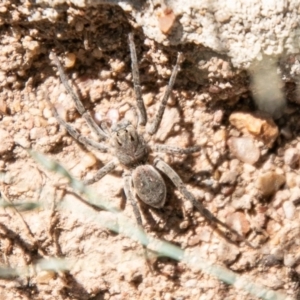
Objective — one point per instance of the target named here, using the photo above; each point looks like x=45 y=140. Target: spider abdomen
x=149 y=185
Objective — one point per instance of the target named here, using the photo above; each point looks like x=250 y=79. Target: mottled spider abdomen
x=149 y=185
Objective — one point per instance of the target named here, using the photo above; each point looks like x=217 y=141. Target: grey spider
x=129 y=147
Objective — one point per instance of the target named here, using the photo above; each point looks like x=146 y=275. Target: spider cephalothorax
x=128 y=145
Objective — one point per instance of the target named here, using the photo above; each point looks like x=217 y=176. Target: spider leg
x=136 y=82
x=102 y=172
x=173 y=176
x=130 y=196
x=174 y=150
x=154 y=126
x=75 y=134
x=85 y=114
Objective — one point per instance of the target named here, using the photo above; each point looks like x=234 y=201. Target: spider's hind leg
x=75 y=134
x=173 y=176
x=130 y=196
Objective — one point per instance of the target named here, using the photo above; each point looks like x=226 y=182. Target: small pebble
x=3 y=107
x=117 y=66
x=259 y=220
x=47 y=113
x=7 y=141
x=244 y=149
x=295 y=194
x=277 y=252
x=22 y=141
x=204 y=234
x=44 y=277
x=289 y=209
x=219 y=136
x=148 y=99
x=227 y=190
x=88 y=160
x=3 y=9
x=97 y=53
x=269 y=183
x=280 y=197
x=291 y=179
x=260 y=126
x=289 y=260
x=223 y=15
x=131 y=271
x=228 y=177
x=113 y=115
x=166 y=21
x=17 y=106
x=79 y=26
x=184 y=224
x=105 y=74
x=191 y=283
x=291 y=157
x=228 y=253
x=171 y=117
x=194 y=240
x=34 y=111
x=70 y=59
x=238 y=222
x=273 y=281
x=243 y=203
x=37 y=133
x=286 y=132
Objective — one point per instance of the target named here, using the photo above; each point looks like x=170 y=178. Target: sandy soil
x=92 y=44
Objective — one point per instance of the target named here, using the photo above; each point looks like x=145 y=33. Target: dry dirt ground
x=92 y=44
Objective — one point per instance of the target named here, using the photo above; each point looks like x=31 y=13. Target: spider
x=127 y=144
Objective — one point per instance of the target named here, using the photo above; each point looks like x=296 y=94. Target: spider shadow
x=29 y=250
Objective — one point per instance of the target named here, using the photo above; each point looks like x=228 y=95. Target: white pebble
x=289 y=209
x=289 y=260
x=244 y=149
x=113 y=115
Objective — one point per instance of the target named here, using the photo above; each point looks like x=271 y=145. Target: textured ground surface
x=254 y=188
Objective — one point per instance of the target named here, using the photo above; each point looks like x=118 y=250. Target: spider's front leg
x=159 y=115
x=110 y=166
x=173 y=176
x=74 y=133
x=130 y=196
x=79 y=106
x=142 y=115
x=174 y=150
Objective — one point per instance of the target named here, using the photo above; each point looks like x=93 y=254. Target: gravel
x=247 y=172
